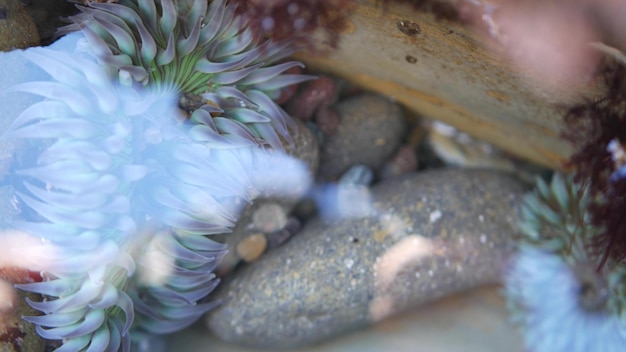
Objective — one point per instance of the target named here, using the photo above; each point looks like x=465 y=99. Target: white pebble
x=435 y=215
x=349 y=263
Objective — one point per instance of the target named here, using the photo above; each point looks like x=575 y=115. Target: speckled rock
x=48 y=15
x=268 y=215
x=427 y=235
x=17 y=335
x=17 y=29
x=369 y=132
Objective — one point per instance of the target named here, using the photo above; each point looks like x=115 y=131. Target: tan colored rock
x=250 y=248
x=446 y=73
x=17 y=29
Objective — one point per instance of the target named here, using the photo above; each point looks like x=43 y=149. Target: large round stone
x=426 y=235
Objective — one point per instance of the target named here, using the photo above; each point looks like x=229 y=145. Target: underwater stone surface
x=17 y=29
x=474 y=321
x=369 y=132
x=428 y=235
x=48 y=15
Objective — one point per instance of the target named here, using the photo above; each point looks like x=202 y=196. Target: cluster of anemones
x=116 y=174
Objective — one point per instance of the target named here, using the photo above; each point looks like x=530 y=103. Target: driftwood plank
x=444 y=72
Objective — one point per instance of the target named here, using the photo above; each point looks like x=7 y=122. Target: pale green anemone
x=555 y=288
x=199 y=48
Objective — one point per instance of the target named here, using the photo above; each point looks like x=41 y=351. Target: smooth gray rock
x=369 y=132
x=427 y=235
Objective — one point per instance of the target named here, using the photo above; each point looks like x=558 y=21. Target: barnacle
x=198 y=48
x=554 y=287
x=115 y=162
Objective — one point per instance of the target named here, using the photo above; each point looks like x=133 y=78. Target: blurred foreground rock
x=474 y=321
x=425 y=236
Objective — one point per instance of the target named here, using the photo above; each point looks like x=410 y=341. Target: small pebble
x=404 y=161
x=456 y=148
x=357 y=175
x=269 y=217
x=277 y=238
x=312 y=95
x=250 y=248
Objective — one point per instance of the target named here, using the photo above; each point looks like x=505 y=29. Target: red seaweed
x=297 y=19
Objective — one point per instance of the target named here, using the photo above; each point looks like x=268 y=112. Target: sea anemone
x=79 y=188
x=554 y=287
x=564 y=308
x=200 y=49
x=130 y=188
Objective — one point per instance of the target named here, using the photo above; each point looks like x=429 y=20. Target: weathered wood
x=444 y=72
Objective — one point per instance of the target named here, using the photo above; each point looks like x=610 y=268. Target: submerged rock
x=369 y=132
x=17 y=29
x=427 y=235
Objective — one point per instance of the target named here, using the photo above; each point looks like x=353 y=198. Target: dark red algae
x=597 y=129
x=297 y=19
